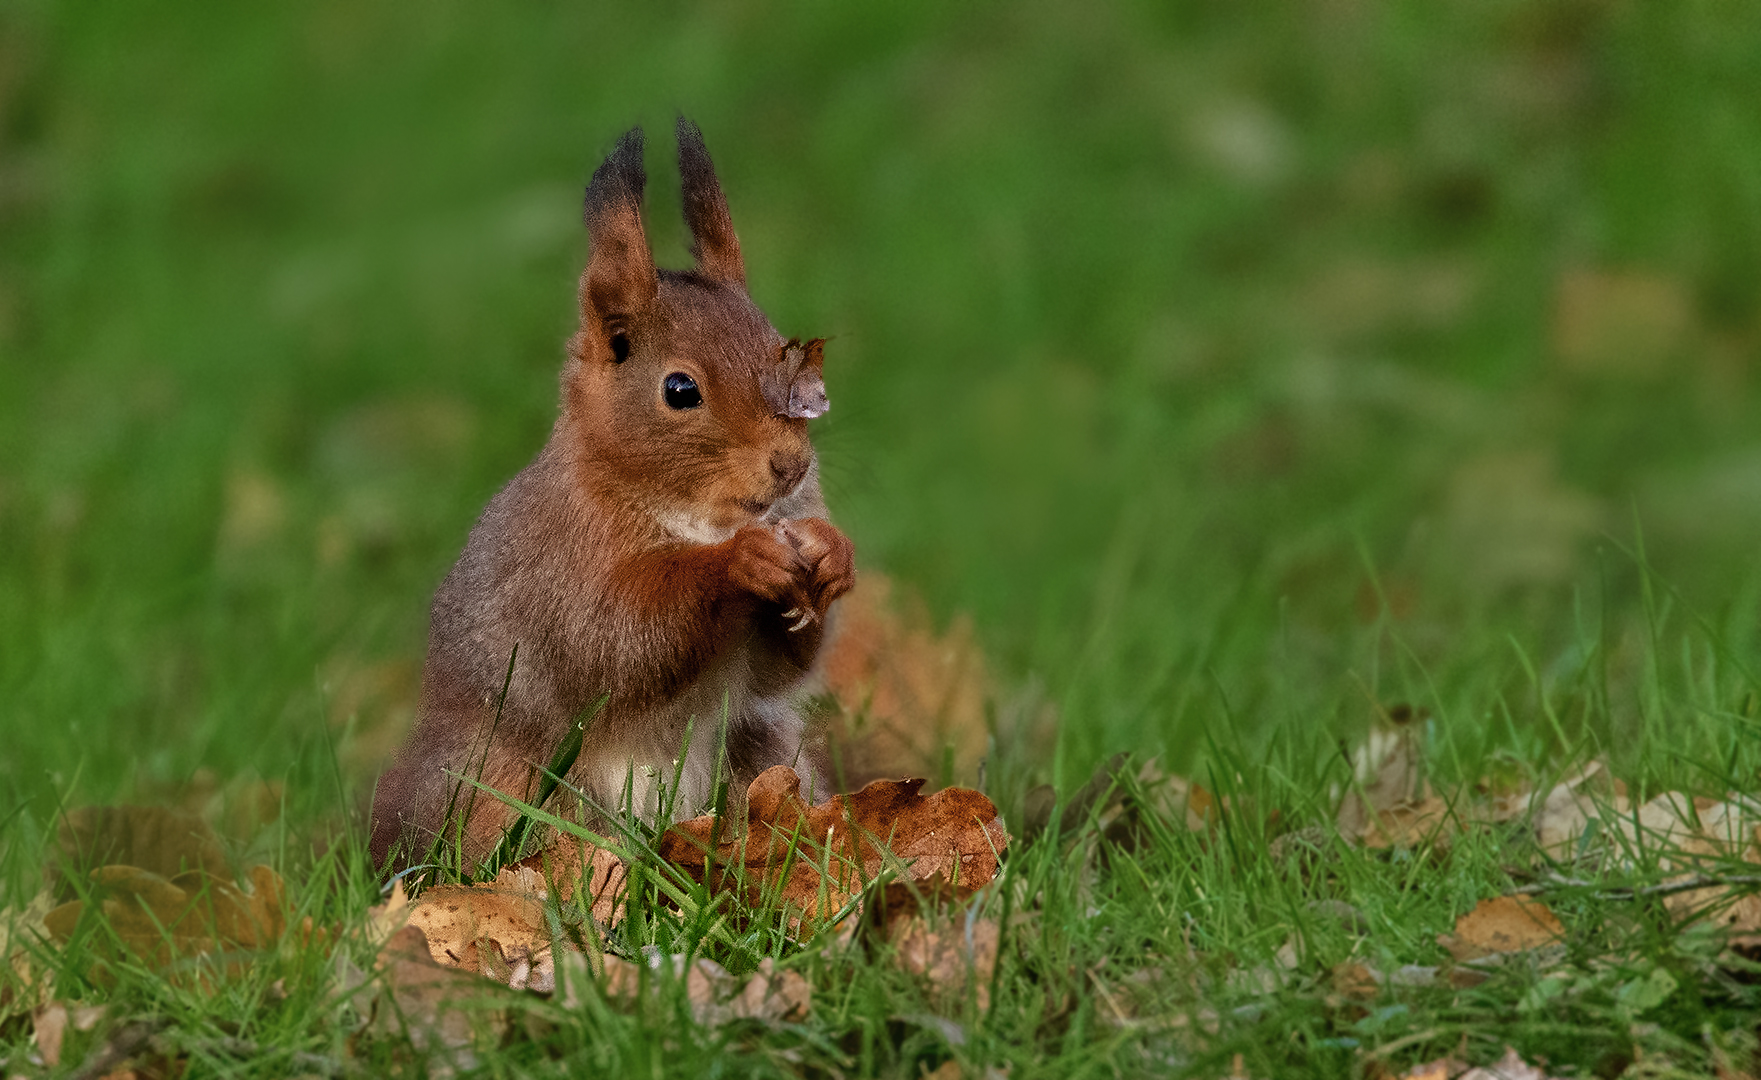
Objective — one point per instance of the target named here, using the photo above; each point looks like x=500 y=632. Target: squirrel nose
x=788 y=469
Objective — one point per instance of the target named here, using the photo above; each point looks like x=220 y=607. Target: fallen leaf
x=48 y=1028
x=193 y=914
x=241 y=806
x=1503 y=924
x=1441 y=1069
x=1392 y=805
x=910 y=702
x=1566 y=810
x=385 y=919
x=1426 y=821
x=497 y=929
x=954 y=957
x=770 y=995
x=24 y=984
x=439 y=1009
x=51 y=1023
x=1685 y=834
x=1356 y=981
x=574 y=865
x=1509 y=1067
x=815 y=859
x=156 y=839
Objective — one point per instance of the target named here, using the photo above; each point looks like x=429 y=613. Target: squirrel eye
x=620 y=347
x=681 y=391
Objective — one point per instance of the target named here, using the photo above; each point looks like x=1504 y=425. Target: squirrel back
x=667 y=552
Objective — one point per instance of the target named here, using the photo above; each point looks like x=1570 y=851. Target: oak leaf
x=194 y=914
x=439 y=1009
x=573 y=866
x=815 y=859
x=496 y=929
x=1503 y=924
x=157 y=839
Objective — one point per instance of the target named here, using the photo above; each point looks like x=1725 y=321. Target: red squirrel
x=667 y=551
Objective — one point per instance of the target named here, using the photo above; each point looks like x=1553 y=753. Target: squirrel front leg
x=829 y=561
x=687 y=605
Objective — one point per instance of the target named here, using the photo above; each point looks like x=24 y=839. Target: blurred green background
x=1235 y=366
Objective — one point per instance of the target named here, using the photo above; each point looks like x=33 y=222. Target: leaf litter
x=906 y=876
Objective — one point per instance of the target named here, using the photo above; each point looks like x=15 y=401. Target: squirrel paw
x=768 y=567
x=830 y=559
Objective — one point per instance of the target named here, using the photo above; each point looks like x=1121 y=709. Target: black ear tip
x=626 y=156
x=620 y=177
x=690 y=138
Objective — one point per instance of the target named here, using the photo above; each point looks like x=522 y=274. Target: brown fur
x=655 y=556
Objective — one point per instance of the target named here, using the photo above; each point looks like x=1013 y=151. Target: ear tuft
x=620 y=279
x=713 y=243
x=619 y=181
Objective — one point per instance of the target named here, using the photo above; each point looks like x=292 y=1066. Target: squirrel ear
x=620 y=279
x=713 y=243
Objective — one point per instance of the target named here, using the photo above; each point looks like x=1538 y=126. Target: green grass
x=1209 y=355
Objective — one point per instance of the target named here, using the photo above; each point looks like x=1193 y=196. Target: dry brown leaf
x=385 y=919
x=1509 y=1067
x=572 y=865
x=156 y=839
x=51 y=1023
x=1426 y=821
x=498 y=929
x=1502 y=924
x=438 y=1009
x=49 y=1027
x=1441 y=1069
x=1685 y=834
x=1395 y=806
x=911 y=702
x=1356 y=981
x=954 y=957
x=1568 y=806
x=24 y=984
x=193 y=914
x=240 y=806
x=815 y=859
x=769 y=995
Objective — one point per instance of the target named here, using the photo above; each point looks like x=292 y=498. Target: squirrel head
x=679 y=389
